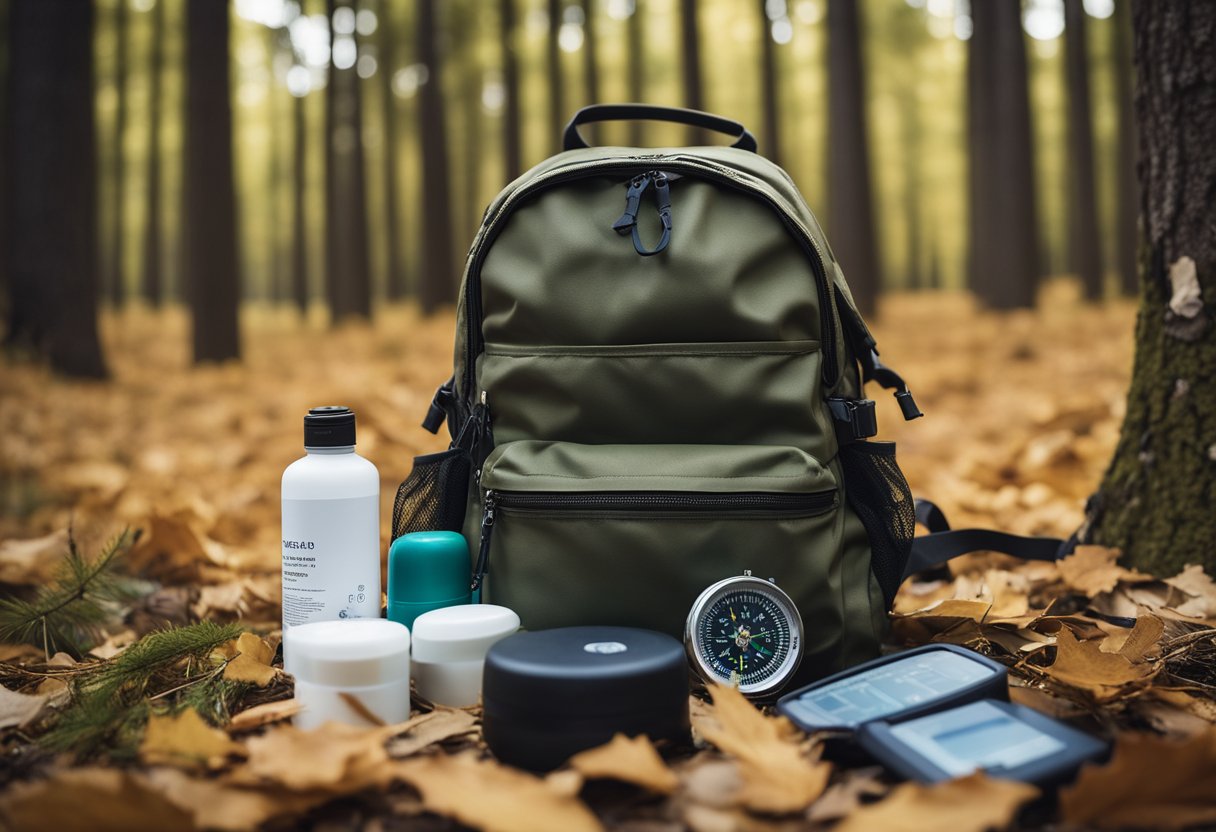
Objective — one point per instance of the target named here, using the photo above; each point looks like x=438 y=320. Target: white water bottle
x=331 y=525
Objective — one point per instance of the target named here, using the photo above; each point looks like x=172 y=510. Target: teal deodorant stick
x=426 y=571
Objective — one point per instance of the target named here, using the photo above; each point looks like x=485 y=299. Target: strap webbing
x=942 y=543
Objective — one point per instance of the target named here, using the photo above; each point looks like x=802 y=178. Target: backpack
x=658 y=384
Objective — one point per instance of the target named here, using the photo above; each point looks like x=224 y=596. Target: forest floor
x=1022 y=413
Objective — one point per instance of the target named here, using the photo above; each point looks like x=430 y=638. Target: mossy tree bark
x=1156 y=501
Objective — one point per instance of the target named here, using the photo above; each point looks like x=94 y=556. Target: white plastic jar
x=450 y=646
x=346 y=671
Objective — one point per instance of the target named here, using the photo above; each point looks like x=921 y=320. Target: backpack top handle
x=573 y=140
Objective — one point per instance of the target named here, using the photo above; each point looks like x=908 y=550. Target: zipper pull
x=483 y=551
x=662 y=198
x=633 y=201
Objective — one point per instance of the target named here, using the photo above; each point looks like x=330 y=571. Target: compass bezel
x=745 y=583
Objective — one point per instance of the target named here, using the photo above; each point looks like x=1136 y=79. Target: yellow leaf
x=777 y=776
x=971 y=804
x=265 y=714
x=1150 y=783
x=249 y=660
x=628 y=759
x=185 y=739
x=217 y=805
x=491 y=797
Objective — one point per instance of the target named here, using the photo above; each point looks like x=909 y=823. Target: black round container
x=552 y=693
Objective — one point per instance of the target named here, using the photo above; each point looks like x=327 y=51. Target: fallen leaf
x=172 y=549
x=777 y=776
x=334 y=757
x=185 y=738
x=248 y=660
x=1093 y=570
x=33 y=561
x=1085 y=666
x=19 y=709
x=265 y=714
x=711 y=781
x=845 y=796
x=628 y=759
x=1139 y=642
x=88 y=800
x=1150 y=783
x=216 y=805
x=425 y=730
x=488 y=796
x=970 y=804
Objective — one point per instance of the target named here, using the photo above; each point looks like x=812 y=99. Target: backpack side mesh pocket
x=434 y=495
x=879 y=495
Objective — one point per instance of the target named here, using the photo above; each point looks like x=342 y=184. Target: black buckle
x=437 y=413
x=855 y=419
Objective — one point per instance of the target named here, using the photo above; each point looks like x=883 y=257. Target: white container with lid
x=450 y=646
x=349 y=669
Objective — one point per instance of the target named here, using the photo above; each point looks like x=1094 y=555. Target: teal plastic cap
x=427 y=571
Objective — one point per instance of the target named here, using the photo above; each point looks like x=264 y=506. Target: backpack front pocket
x=631 y=534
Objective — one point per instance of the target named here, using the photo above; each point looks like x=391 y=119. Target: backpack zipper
x=653 y=504
x=719 y=173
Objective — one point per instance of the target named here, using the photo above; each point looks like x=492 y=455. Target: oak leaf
x=425 y=730
x=488 y=796
x=1093 y=570
x=970 y=804
x=777 y=775
x=213 y=804
x=1085 y=666
x=1150 y=783
x=628 y=759
x=265 y=714
x=335 y=757
x=248 y=660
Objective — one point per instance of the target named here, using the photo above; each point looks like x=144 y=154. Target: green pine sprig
x=69 y=613
x=112 y=702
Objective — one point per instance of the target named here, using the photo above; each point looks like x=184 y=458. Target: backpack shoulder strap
x=943 y=543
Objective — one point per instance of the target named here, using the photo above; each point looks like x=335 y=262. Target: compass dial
x=745 y=632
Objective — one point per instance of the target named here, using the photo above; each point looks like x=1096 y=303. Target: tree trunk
x=1003 y=260
x=211 y=259
x=591 y=65
x=1155 y=502
x=690 y=65
x=512 y=130
x=117 y=284
x=396 y=286
x=1084 y=246
x=1127 y=234
x=850 y=206
x=439 y=280
x=635 y=54
x=52 y=188
x=299 y=221
x=557 y=91
x=470 y=101
x=152 y=282
x=910 y=124
x=771 y=144
x=348 y=279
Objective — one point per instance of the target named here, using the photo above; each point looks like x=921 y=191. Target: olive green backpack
x=658 y=384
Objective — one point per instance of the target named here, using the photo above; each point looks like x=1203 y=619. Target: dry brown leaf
x=1138 y=643
x=173 y=550
x=1093 y=570
x=248 y=660
x=186 y=739
x=491 y=797
x=709 y=819
x=630 y=760
x=970 y=804
x=1085 y=666
x=88 y=800
x=1150 y=783
x=33 y=561
x=19 y=709
x=215 y=805
x=264 y=714
x=425 y=730
x=777 y=776
x=336 y=758
x=844 y=797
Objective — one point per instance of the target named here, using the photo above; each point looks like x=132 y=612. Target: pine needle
x=69 y=614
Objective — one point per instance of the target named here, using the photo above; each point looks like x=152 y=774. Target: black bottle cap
x=332 y=426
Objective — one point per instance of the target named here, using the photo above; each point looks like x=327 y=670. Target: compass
x=745 y=632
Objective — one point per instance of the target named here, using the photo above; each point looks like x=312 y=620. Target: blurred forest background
x=325 y=158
